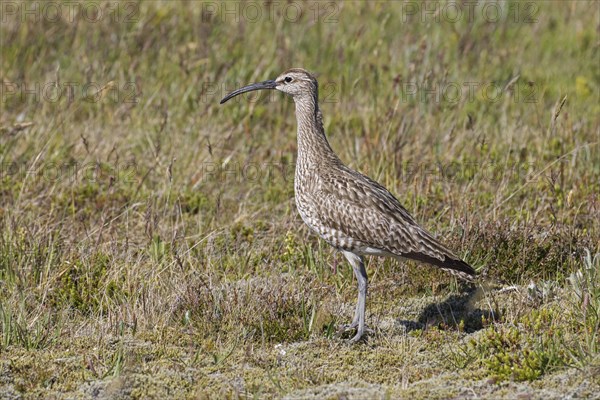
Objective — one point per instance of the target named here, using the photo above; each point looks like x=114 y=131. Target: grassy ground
x=149 y=242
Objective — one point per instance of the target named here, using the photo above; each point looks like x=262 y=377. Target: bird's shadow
x=456 y=312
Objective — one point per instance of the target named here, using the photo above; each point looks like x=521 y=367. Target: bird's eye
x=287 y=79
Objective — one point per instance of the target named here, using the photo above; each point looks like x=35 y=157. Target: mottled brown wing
x=366 y=211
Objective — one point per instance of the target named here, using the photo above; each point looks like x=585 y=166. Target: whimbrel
x=350 y=211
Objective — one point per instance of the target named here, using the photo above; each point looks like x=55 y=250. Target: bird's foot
x=358 y=337
x=361 y=335
x=350 y=327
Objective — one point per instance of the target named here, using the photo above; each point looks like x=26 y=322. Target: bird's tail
x=455 y=266
x=433 y=252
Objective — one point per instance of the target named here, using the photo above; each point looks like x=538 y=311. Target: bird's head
x=296 y=82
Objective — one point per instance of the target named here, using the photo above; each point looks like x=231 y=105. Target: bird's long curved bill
x=255 y=86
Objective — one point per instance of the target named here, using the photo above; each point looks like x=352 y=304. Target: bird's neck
x=313 y=146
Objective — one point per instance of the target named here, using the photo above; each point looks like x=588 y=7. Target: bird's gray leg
x=358 y=266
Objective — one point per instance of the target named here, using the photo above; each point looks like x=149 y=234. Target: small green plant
x=585 y=303
x=117 y=359
x=29 y=333
x=309 y=312
x=292 y=251
x=81 y=283
x=157 y=249
x=523 y=352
